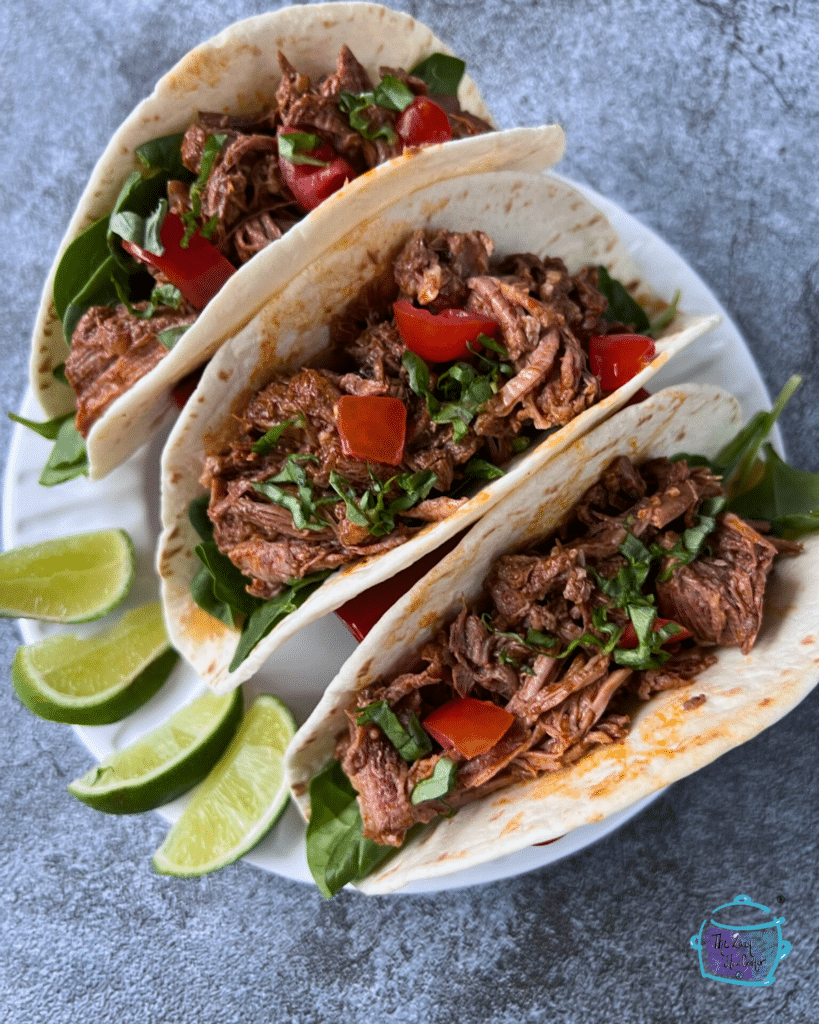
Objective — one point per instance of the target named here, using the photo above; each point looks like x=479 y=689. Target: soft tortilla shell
x=237 y=72
x=743 y=694
x=521 y=213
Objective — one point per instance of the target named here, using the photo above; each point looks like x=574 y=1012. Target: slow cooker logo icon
x=741 y=943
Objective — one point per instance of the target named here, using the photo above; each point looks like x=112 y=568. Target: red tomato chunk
x=422 y=123
x=616 y=358
x=440 y=337
x=198 y=270
x=311 y=184
x=372 y=427
x=468 y=725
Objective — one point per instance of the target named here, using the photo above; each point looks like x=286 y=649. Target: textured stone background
x=701 y=119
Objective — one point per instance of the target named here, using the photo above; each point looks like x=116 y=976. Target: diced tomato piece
x=372 y=427
x=186 y=387
x=440 y=337
x=311 y=184
x=616 y=358
x=468 y=725
x=629 y=637
x=422 y=123
x=361 y=612
x=198 y=271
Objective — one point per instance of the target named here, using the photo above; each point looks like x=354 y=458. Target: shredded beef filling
x=563 y=706
x=245 y=204
x=545 y=318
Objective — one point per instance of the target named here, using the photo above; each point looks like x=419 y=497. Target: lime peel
x=239 y=801
x=166 y=762
x=99 y=679
x=68 y=579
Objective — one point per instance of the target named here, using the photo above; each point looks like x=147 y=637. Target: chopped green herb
x=354 y=106
x=58 y=373
x=268 y=441
x=171 y=335
x=392 y=94
x=438 y=785
x=302 y=506
x=296 y=147
x=463 y=392
x=410 y=741
x=371 y=509
x=659 y=323
x=190 y=219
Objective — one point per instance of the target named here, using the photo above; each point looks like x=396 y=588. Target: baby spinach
x=441 y=72
x=69 y=457
x=337 y=853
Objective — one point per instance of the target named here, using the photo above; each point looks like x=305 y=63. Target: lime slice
x=100 y=679
x=166 y=762
x=70 y=579
x=239 y=801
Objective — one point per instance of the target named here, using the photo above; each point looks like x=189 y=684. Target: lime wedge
x=239 y=801
x=166 y=762
x=100 y=679
x=70 y=579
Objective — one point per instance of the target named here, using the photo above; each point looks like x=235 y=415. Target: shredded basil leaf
x=392 y=94
x=410 y=741
x=268 y=441
x=371 y=510
x=438 y=785
x=302 y=506
x=354 y=105
x=441 y=72
x=296 y=147
x=190 y=219
x=659 y=323
x=171 y=335
x=462 y=388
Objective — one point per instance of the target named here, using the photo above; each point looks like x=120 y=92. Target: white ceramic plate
x=299 y=671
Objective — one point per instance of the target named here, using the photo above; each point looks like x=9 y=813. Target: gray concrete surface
x=701 y=119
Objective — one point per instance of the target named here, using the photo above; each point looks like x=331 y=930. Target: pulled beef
x=110 y=351
x=548 y=383
x=245 y=204
x=564 y=706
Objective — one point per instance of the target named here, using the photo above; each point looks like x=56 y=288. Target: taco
x=594 y=638
x=282 y=458
x=169 y=251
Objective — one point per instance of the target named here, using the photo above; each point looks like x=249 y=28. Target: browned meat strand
x=245 y=203
x=111 y=350
x=549 y=382
x=564 y=706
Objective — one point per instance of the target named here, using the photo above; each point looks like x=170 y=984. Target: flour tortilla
x=237 y=72
x=521 y=213
x=744 y=694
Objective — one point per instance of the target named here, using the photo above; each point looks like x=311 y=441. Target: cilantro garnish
x=296 y=148
x=190 y=218
x=390 y=94
x=441 y=782
x=410 y=741
x=372 y=510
